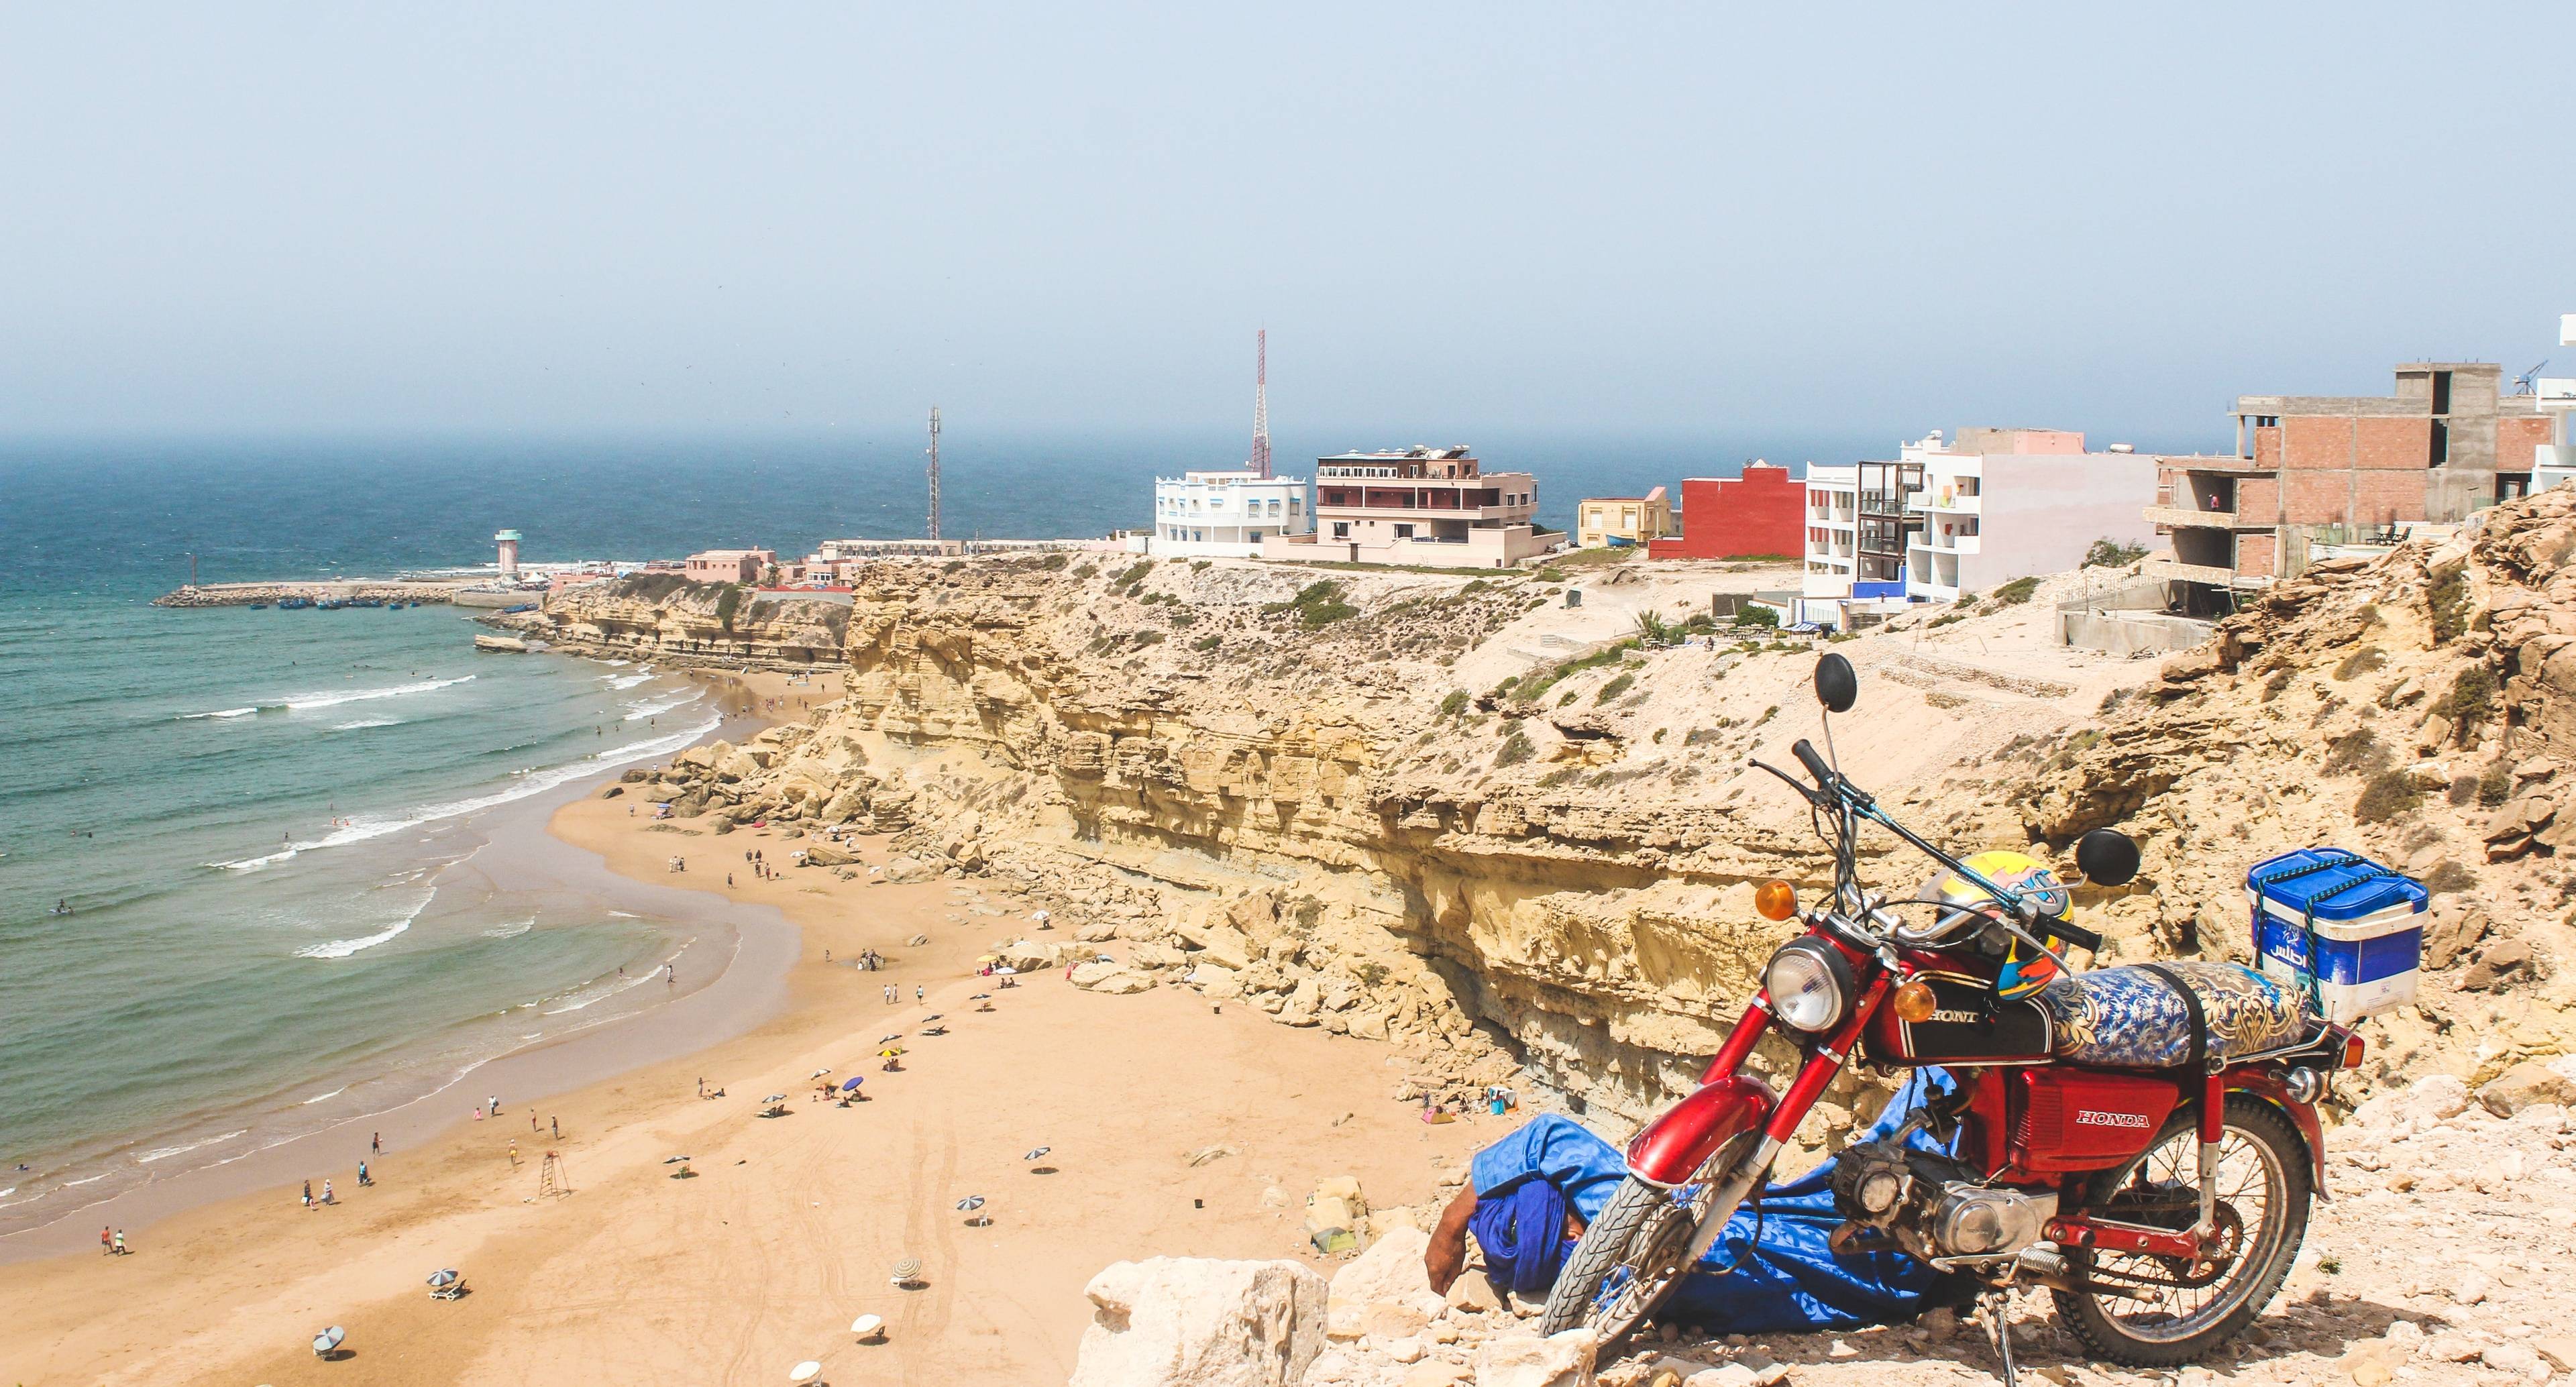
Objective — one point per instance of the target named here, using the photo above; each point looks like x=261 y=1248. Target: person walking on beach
x=920 y=993
x=532 y=1122
x=376 y=1144
x=327 y=1196
x=514 y=1153
x=308 y=1196
x=496 y=1105
x=364 y=1179
x=702 y=1086
x=103 y=1246
x=554 y=1125
x=120 y=1242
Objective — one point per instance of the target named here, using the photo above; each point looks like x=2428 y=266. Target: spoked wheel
x=2150 y=1311
x=1630 y=1259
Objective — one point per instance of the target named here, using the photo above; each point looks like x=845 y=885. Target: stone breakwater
x=335 y=590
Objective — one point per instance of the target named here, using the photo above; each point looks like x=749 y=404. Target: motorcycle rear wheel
x=2264 y=1189
x=1630 y=1259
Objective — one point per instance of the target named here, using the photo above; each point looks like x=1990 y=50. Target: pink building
x=728 y=565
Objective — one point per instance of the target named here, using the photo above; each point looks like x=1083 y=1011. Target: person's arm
x=1447 y=1254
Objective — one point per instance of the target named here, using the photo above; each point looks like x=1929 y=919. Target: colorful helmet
x=2025 y=969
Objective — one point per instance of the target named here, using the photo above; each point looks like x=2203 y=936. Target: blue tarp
x=1790 y=1281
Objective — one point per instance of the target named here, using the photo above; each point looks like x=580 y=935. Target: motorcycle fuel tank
x=2065 y=1120
x=1968 y=1025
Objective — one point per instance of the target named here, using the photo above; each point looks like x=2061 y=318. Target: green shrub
x=2389 y=795
x=1764 y=617
x=2449 y=877
x=2107 y=553
x=1201 y=565
x=2448 y=600
x=1054 y=563
x=1454 y=704
x=1088 y=570
x=728 y=602
x=2495 y=784
x=2362 y=661
x=1207 y=642
x=2470 y=701
x=2358 y=754
x=1516 y=748
x=2016 y=592
x=1148 y=636
x=1944 y=619
x=1652 y=629
x=1615 y=688
x=1133 y=575
x=1316 y=604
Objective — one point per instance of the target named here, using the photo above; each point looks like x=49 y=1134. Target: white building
x=1208 y=515
x=2000 y=504
x=2555 y=461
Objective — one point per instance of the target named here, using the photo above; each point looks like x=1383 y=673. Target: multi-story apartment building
x=1228 y=514
x=2343 y=469
x=1423 y=505
x=2000 y=504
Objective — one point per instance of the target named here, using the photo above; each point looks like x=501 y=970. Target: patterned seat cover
x=2131 y=1018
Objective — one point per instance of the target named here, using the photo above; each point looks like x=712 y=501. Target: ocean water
x=254 y=819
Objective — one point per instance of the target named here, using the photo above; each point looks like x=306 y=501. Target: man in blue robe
x=1531 y=1194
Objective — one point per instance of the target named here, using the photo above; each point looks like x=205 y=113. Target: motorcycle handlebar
x=1814 y=763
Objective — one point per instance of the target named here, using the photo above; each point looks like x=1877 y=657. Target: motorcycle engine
x=1934 y=1206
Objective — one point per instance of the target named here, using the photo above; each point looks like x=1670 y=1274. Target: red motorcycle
x=2141 y=1140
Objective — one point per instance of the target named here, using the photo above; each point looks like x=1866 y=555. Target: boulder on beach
x=1201 y=1322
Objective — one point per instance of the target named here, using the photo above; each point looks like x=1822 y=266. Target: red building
x=1763 y=512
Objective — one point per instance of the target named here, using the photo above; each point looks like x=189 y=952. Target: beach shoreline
x=790 y=1223
x=515 y=853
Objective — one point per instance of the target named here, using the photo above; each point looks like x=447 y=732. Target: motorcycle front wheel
x=1631 y=1257
x=2152 y=1312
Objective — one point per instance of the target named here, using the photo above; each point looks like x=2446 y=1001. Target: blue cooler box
x=2340 y=926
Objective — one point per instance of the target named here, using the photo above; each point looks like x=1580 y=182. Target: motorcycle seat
x=2130 y=1017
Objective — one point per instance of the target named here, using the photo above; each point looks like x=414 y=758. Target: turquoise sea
x=260 y=823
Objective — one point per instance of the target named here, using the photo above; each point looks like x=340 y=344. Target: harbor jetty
x=368 y=592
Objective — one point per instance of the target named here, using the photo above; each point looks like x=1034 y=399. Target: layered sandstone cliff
x=1457 y=814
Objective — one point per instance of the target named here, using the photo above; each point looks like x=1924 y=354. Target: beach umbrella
x=775 y=1098
x=851 y=1085
x=675 y=1160
x=1006 y=968
x=328 y=1341
x=907 y=1271
x=819 y=1073
x=444 y=1276
x=868 y=1326
x=971 y=1202
x=1033 y=1155
x=804 y=1372
x=887 y=1039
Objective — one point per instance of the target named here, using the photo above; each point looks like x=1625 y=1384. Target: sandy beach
x=790 y=1227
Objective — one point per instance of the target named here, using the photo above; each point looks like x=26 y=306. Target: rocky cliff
x=1414 y=807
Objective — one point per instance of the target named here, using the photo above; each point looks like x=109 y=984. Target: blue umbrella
x=853 y=1083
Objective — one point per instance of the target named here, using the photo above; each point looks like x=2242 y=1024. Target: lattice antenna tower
x=934 y=471
x=1261 y=402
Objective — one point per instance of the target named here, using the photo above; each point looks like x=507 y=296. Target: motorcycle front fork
x=1823 y=1063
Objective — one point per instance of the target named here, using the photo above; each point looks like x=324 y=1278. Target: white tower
x=509 y=542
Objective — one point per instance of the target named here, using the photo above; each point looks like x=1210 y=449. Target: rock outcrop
x=1198 y=1322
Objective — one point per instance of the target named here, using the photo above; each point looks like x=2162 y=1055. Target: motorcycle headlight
x=1809 y=984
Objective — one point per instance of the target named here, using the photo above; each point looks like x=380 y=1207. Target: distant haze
x=1455 y=220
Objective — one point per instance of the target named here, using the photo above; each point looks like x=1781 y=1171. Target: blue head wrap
x=1522 y=1230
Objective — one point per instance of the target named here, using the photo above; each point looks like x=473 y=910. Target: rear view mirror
x=2106 y=857
x=1836 y=686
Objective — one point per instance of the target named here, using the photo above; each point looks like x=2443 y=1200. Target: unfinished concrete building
x=2340 y=469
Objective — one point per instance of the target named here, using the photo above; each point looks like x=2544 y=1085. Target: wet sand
x=791 y=1226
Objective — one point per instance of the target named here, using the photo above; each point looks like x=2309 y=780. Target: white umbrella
x=804 y=1372
x=868 y=1326
x=328 y=1340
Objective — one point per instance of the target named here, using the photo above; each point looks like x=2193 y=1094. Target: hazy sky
x=1799 y=219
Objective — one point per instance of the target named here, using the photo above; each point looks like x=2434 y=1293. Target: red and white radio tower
x=1261 y=402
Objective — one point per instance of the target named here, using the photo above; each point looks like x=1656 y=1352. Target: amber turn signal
x=1914 y=1003
x=2352 y=1052
x=1776 y=900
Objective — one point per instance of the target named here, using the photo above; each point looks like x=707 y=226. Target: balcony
x=2187 y=517
x=1511 y=514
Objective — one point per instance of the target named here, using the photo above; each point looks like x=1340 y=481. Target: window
x=2441 y=449
x=1404 y=531
x=2441 y=392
